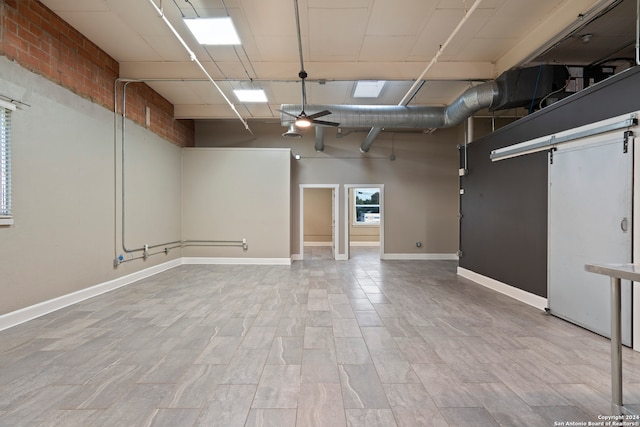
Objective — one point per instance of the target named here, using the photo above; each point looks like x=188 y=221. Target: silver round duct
x=378 y=117
x=400 y=116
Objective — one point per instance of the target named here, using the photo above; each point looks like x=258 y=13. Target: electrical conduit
x=118 y=259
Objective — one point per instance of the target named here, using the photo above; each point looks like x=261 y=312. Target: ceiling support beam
x=269 y=71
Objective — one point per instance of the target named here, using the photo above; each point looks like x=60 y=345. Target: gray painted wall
x=421 y=185
x=236 y=193
x=64 y=193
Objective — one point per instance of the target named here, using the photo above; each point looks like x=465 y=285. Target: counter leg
x=616 y=347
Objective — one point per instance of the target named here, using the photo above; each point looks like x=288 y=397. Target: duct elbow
x=471 y=101
x=371 y=137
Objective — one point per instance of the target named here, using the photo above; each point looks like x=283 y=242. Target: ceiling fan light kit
x=302 y=121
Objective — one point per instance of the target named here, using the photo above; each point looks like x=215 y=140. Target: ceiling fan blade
x=324 y=123
x=320 y=114
x=287 y=113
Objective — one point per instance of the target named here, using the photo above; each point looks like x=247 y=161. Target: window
x=366 y=206
x=5 y=163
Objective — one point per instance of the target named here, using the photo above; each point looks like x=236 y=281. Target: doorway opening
x=364 y=218
x=318 y=213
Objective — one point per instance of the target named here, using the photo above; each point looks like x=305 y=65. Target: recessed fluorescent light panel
x=213 y=31
x=250 y=95
x=368 y=88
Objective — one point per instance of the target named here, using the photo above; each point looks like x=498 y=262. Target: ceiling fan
x=303 y=120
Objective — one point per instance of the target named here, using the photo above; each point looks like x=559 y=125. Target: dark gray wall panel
x=503 y=232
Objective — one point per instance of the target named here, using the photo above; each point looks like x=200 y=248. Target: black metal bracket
x=625 y=145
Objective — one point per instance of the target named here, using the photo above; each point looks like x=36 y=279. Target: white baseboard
x=522 y=296
x=296 y=257
x=17 y=317
x=423 y=257
x=317 y=244
x=236 y=261
x=352 y=243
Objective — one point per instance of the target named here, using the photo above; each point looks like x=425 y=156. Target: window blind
x=5 y=162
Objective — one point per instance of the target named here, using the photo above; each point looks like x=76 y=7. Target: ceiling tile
x=476 y=50
x=343 y=40
x=440 y=92
x=277 y=48
x=108 y=31
x=74 y=5
x=339 y=4
x=270 y=18
x=469 y=31
x=436 y=32
x=336 y=35
x=328 y=93
x=381 y=48
x=503 y=24
x=388 y=19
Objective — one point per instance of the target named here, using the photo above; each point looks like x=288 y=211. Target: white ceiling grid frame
x=416 y=14
x=102 y=23
x=418 y=81
x=274 y=33
x=193 y=58
x=481 y=18
x=152 y=32
x=442 y=22
x=437 y=92
x=145 y=48
x=84 y=6
x=336 y=37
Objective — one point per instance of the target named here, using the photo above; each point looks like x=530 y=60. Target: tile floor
x=319 y=343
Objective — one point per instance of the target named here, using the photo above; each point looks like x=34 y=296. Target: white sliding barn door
x=590 y=214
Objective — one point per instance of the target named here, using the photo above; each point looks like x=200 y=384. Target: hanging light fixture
x=292 y=132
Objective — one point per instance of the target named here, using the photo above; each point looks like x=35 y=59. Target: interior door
x=590 y=213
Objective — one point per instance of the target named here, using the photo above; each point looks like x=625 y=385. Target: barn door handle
x=624 y=224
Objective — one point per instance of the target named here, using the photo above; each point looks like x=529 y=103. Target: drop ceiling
x=345 y=41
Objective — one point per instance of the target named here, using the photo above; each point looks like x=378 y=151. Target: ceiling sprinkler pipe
x=411 y=92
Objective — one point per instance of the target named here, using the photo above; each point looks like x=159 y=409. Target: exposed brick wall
x=40 y=41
